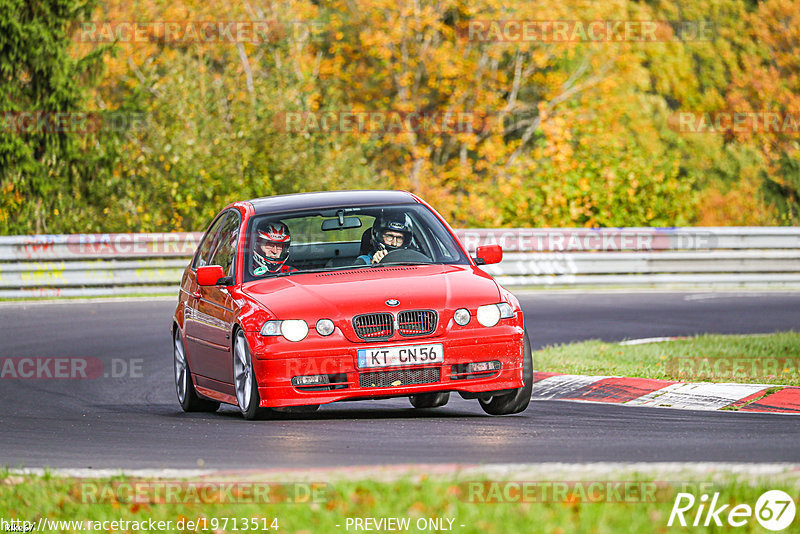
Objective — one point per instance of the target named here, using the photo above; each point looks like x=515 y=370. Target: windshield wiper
x=401 y=263
x=345 y=268
x=327 y=269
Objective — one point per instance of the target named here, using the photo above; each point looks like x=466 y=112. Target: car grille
x=416 y=323
x=405 y=377
x=373 y=325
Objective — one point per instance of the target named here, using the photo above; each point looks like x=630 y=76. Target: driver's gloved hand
x=379 y=255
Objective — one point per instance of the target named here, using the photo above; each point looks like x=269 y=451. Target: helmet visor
x=271 y=249
x=393 y=238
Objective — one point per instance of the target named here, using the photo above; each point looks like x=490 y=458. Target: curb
x=764 y=398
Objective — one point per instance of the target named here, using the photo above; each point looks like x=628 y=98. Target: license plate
x=405 y=355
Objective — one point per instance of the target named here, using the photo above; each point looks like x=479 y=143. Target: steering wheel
x=405 y=255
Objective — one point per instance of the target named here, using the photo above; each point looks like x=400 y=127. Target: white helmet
x=271 y=233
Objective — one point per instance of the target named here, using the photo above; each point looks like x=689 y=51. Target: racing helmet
x=268 y=232
x=394 y=221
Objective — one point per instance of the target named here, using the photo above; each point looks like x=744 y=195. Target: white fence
x=148 y=264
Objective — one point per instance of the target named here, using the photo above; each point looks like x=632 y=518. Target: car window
x=308 y=229
x=431 y=239
x=316 y=242
x=226 y=241
x=208 y=244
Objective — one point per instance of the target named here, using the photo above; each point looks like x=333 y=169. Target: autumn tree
x=562 y=132
x=770 y=84
x=44 y=165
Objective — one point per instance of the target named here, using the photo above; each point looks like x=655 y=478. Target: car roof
x=329 y=199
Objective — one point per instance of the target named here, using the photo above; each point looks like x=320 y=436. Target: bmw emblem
x=392 y=302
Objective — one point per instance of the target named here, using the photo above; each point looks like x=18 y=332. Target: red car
x=299 y=300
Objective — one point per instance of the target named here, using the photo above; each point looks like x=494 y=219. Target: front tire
x=430 y=400
x=188 y=398
x=244 y=381
x=518 y=400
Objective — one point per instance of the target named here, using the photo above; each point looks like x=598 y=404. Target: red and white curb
x=667 y=393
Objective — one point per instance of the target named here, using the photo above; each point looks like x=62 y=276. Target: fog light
x=482 y=367
x=461 y=317
x=310 y=380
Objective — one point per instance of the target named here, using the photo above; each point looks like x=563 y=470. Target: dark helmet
x=394 y=221
x=268 y=232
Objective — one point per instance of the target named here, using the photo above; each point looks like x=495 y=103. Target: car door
x=217 y=305
x=209 y=321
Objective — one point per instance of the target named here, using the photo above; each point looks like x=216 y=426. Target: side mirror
x=488 y=254
x=209 y=275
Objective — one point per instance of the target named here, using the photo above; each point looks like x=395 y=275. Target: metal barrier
x=82 y=265
x=151 y=264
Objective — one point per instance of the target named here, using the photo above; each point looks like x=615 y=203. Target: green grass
x=56 y=498
x=762 y=359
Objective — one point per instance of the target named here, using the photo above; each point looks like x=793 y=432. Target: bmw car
x=295 y=301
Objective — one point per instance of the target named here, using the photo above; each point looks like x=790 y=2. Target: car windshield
x=347 y=238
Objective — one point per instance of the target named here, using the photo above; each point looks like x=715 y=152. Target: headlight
x=490 y=314
x=325 y=327
x=461 y=316
x=506 y=311
x=294 y=329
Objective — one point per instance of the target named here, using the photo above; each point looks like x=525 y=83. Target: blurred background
x=187 y=103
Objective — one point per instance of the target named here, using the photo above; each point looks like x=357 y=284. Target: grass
x=735 y=407
x=755 y=359
x=30 y=498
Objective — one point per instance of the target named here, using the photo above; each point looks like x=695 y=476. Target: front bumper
x=277 y=361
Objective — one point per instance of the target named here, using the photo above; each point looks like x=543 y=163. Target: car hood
x=342 y=294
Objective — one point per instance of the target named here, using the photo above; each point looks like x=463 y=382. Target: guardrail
x=151 y=264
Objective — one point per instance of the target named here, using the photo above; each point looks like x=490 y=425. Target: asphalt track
x=134 y=421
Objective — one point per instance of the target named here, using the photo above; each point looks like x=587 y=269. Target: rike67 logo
x=774 y=510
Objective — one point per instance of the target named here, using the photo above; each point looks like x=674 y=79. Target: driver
x=390 y=231
x=271 y=248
